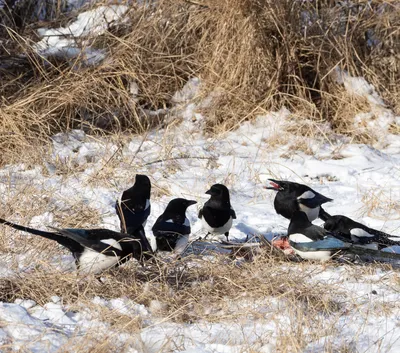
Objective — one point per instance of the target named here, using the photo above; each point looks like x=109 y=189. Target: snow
x=74 y=40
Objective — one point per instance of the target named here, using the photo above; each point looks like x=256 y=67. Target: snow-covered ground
x=182 y=161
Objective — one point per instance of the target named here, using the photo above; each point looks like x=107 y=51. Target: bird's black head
x=137 y=197
x=339 y=223
x=219 y=191
x=179 y=205
x=141 y=191
x=276 y=185
x=287 y=186
x=142 y=180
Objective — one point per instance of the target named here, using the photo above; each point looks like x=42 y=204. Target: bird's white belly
x=309 y=255
x=220 y=230
x=312 y=213
x=93 y=262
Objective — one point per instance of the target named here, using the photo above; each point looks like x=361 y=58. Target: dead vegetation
x=251 y=56
x=183 y=292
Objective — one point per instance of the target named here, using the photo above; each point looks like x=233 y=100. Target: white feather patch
x=112 y=242
x=220 y=230
x=93 y=262
x=307 y=195
x=360 y=233
x=299 y=238
x=312 y=213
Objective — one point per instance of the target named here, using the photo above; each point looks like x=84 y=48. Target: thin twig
x=174 y=158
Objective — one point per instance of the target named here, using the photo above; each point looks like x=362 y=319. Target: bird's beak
x=191 y=202
x=209 y=192
x=274 y=185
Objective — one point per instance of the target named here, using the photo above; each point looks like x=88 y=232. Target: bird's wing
x=316 y=233
x=326 y=244
x=315 y=201
x=233 y=214
x=100 y=240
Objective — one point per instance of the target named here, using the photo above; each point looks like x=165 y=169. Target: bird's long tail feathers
x=48 y=235
x=68 y=243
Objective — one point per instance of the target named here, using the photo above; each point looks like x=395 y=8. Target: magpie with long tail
x=133 y=207
x=217 y=214
x=292 y=197
x=95 y=250
x=301 y=231
x=172 y=228
x=359 y=233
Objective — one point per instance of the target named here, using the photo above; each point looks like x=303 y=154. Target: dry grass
x=251 y=56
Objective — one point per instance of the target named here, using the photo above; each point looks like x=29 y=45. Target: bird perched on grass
x=292 y=197
x=302 y=231
x=217 y=213
x=172 y=228
x=133 y=208
x=359 y=233
x=95 y=250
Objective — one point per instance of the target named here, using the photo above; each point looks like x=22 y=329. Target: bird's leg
x=208 y=233
x=227 y=236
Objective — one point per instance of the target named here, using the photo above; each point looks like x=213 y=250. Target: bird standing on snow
x=133 y=208
x=172 y=228
x=217 y=213
x=359 y=233
x=95 y=250
x=292 y=197
x=301 y=230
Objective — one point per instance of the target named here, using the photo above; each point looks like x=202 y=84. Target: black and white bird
x=292 y=197
x=301 y=231
x=217 y=213
x=95 y=250
x=133 y=207
x=359 y=233
x=172 y=228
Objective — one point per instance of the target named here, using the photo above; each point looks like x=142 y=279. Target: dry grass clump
x=182 y=291
x=250 y=55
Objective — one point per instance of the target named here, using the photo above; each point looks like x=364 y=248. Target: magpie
x=95 y=250
x=359 y=233
x=133 y=208
x=292 y=197
x=172 y=228
x=217 y=213
x=301 y=230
